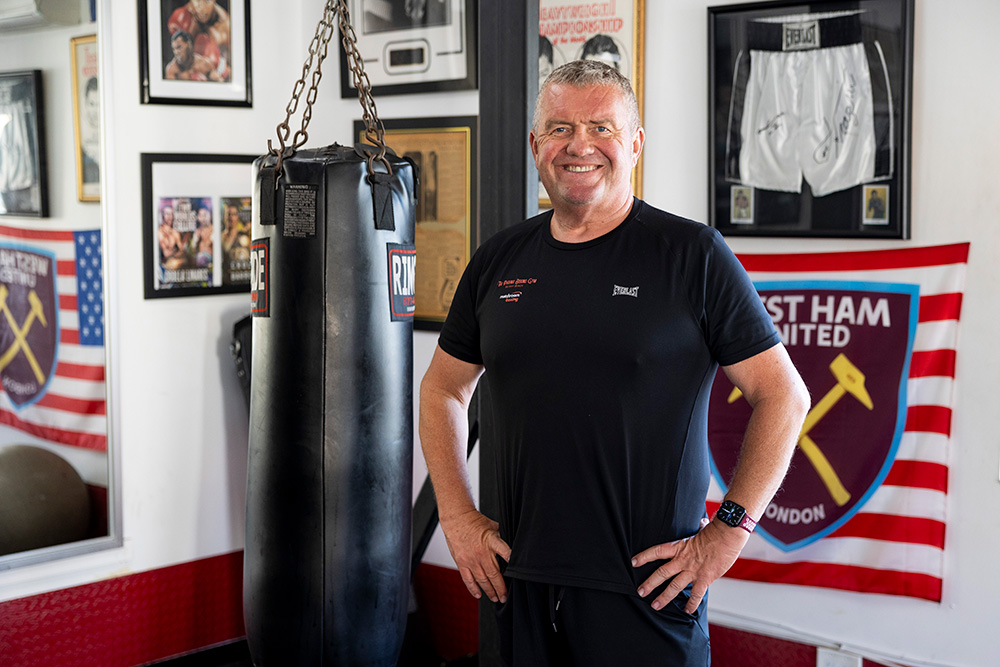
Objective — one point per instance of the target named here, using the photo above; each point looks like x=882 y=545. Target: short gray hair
x=584 y=73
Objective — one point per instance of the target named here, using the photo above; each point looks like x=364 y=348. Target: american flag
x=70 y=406
x=892 y=541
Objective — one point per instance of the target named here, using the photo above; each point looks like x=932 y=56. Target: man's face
x=583 y=147
x=203 y=9
x=204 y=217
x=168 y=216
x=182 y=49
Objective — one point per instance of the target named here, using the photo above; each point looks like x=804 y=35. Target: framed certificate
x=444 y=152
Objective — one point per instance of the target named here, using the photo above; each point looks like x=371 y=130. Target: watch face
x=731 y=513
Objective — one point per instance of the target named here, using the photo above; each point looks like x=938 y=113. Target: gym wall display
x=195 y=52
x=86 y=117
x=445 y=153
x=23 y=169
x=196 y=224
x=611 y=31
x=809 y=118
x=417 y=46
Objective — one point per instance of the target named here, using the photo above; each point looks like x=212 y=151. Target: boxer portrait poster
x=195 y=52
x=809 y=110
x=196 y=224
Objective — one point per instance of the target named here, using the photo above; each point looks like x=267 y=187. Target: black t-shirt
x=600 y=358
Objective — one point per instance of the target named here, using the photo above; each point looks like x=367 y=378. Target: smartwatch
x=736 y=516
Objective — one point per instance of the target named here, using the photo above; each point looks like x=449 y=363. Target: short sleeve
x=460 y=333
x=737 y=324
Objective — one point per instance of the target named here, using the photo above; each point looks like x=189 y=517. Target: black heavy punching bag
x=326 y=568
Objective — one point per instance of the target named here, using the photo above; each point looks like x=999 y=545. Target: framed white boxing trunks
x=808 y=109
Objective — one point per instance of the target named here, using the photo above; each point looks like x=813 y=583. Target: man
x=188 y=65
x=600 y=325
x=172 y=253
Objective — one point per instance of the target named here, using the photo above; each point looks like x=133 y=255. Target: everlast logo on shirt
x=260 y=305
x=402 y=283
x=799 y=36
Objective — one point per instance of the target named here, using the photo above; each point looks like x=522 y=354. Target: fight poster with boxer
x=874 y=336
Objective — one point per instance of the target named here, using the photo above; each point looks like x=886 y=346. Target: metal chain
x=374 y=130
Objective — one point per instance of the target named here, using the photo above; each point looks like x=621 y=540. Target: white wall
x=180 y=421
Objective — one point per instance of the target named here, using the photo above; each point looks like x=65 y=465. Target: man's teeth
x=581 y=169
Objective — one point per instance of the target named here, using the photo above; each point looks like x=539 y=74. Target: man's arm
x=780 y=401
x=474 y=539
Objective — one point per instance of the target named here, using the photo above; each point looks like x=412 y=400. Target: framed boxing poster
x=196 y=216
x=86 y=117
x=194 y=52
x=809 y=118
x=24 y=188
x=612 y=32
x=416 y=46
x=444 y=152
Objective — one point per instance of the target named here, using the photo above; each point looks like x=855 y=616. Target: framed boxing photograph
x=195 y=52
x=86 y=117
x=196 y=217
x=24 y=190
x=612 y=32
x=412 y=46
x=444 y=151
x=809 y=118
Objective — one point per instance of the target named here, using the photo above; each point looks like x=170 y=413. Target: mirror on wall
x=58 y=496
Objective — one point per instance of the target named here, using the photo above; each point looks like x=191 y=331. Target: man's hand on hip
x=698 y=560
x=474 y=541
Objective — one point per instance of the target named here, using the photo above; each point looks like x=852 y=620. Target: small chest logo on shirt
x=512 y=290
x=626 y=291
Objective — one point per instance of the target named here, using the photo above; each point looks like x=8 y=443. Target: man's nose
x=580 y=142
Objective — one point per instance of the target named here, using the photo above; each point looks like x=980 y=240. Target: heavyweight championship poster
x=874 y=336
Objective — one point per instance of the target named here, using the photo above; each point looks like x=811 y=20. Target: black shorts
x=544 y=625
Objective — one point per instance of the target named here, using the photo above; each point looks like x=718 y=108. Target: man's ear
x=638 y=140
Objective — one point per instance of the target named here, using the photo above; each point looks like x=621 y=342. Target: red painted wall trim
x=149 y=616
x=128 y=620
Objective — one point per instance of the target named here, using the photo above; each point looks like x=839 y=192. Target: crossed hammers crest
x=850 y=380
x=20 y=343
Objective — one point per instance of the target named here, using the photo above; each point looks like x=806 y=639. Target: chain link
x=374 y=130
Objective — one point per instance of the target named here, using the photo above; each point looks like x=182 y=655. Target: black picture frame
x=180 y=262
x=852 y=152
x=404 y=54
x=25 y=193
x=445 y=151
x=220 y=73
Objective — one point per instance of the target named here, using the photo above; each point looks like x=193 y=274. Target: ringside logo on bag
x=402 y=284
x=260 y=303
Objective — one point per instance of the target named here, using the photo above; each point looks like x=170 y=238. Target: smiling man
x=600 y=326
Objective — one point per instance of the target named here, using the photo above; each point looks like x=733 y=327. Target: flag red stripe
x=893 y=528
x=933 y=363
x=69 y=336
x=846 y=577
x=78 y=406
x=939 y=307
x=66 y=267
x=80 y=371
x=870 y=260
x=67 y=302
x=95 y=441
x=929 y=419
x=36 y=234
x=918 y=475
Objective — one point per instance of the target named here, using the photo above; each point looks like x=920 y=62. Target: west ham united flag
x=874 y=336
x=52 y=335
